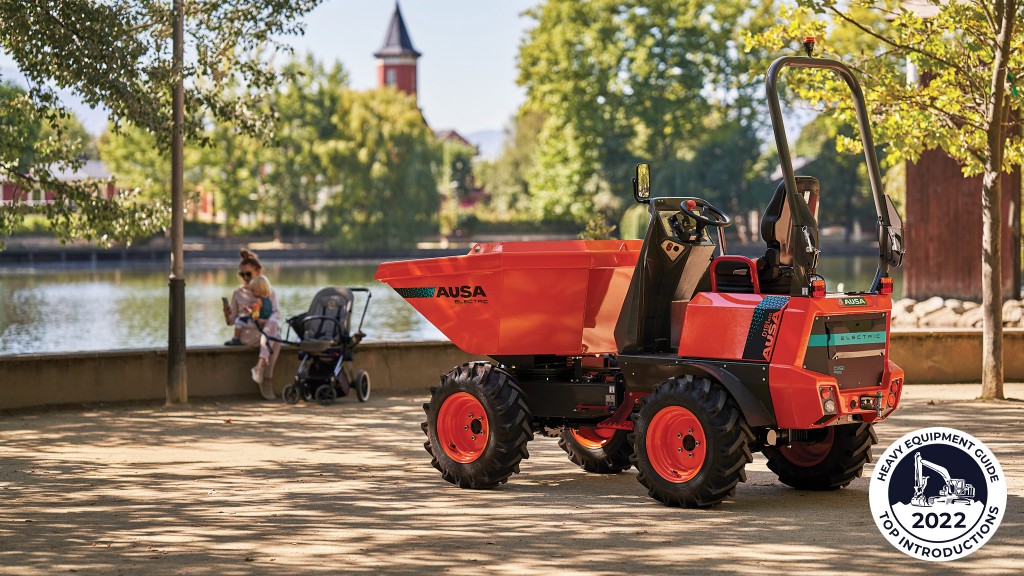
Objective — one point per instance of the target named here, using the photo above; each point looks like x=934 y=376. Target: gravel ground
x=238 y=487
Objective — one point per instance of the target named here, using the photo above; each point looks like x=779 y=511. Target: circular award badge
x=938 y=494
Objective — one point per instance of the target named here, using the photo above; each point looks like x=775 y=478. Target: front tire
x=477 y=426
x=691 y=443
x=362 y=386
x=290 y=394
x=828 y=462
x=597 y=450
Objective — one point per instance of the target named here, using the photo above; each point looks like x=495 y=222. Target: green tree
x=117 y=55
x=972 y=55
x=36 y=143
x=622 y=81
x=384 y=167
x=456 y=181
x=843 y=175
x=132 y=155
x=507 y=179
x=230 y=166
x=20 y=127
x=304 y=105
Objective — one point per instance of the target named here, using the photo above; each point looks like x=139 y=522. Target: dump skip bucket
x=522 y=298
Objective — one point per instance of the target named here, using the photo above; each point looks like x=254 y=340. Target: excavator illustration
x=955 y=491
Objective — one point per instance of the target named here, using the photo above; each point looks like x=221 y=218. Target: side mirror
x=642 y=183
x=891 y=236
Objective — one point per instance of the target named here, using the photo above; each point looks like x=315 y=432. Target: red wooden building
x=944 y=226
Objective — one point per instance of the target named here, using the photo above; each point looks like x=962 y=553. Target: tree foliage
x=952 y=51
x=456 y=182
x=305 y=105
x=969 y=56
x=847 y=185
x=384 y=171
x=625 y=81
x=507 y=178
x=358 y=166
x=118 y=55
x=36 y=145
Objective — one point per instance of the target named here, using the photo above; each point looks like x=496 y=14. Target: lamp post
x=177 y=377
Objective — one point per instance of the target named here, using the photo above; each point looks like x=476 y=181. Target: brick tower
x=396 y=58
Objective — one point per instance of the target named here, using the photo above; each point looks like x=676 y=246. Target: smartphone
x=224 y=300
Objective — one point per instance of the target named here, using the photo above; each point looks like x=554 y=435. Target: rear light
x=818 y=288
x=886 y=286
x=828 y=403
x=894 y=386
x=892 y=400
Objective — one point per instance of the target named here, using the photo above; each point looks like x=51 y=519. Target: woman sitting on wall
x=239 y=312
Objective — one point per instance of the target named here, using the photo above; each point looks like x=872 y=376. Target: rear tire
x=325 y=394
x=828 y=463
x=477 y=426
x=362 y=386
x=597 y=450
x=691 y=443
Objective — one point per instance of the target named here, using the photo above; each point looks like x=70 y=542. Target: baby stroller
x=326 y=347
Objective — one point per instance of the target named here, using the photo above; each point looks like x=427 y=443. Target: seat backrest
x=776 y=225
x=777 y=231
x=328 y=315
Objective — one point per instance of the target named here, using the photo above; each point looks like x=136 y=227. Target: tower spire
x=396 y=58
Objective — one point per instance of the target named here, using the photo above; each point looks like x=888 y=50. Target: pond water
x=104 y=308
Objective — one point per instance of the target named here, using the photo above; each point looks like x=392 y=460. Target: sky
x=467 y=74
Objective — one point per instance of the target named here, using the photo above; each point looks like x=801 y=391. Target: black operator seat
x=774 y=269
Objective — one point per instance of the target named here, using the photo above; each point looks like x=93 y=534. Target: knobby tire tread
x=851 y=450
x=509 y=422
x=612 y=458
x=729 y=438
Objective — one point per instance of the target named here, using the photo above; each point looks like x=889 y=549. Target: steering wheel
x=720 y=219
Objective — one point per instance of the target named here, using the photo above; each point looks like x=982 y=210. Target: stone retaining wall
x=31 y=380
x=950 y=313
x=141 y=375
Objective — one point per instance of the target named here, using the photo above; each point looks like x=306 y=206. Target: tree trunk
x=991 y=286
x=991 y=202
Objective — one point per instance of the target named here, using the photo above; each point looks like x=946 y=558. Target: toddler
x=260 y=309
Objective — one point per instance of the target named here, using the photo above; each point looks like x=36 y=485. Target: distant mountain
x=488 y=141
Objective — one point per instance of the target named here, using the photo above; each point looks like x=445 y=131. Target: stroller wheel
x=362 y=386
x=325 y=394
x=290 y=394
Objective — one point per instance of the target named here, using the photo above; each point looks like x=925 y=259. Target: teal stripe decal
x=848 y=339
x=427 y=292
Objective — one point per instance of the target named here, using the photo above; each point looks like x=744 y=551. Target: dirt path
x=251 y=488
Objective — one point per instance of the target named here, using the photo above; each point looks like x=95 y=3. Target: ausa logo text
x=771 y=328
x=461 y=292
x=457 y=294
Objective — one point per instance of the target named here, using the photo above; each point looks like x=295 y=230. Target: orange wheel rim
x=592 y=438
x=462 y=427
x=676 y=444
x=807 y=454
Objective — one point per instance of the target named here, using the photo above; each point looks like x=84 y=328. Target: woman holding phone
x=239 y=308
